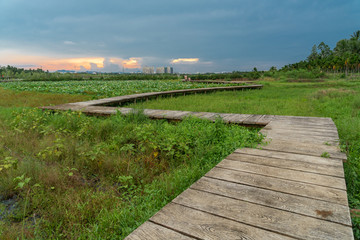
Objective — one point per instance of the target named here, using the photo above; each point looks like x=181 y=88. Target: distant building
x=148 y=70
x=160 y=69
x=169 y=70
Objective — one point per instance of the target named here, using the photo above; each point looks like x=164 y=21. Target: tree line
x=10 y=72
x=344 y=58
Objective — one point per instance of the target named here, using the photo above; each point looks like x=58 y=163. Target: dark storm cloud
x=229 y=34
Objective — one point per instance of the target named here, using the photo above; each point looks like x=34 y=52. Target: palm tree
x=355 y=35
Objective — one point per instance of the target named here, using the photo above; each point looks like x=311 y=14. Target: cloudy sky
x=190 y=35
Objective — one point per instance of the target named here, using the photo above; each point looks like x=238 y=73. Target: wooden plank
x=300 y=134
x=252 y=120
x=302 y=119
x=152 y=231
x=179 y=114
x=301 y=138
x=274 y=126
x=301 y=189
x=304 y=147
x=306 y=166
x=204 y=115
x=291 y=156
x=265 y=119
x=296 y=204
x=125 y=110
x=157 y=114
x=279 y=221
x=150 y=112
x=294 y=175
x=239 y=118
x=209 y=116
x=203 y=225
x=304 y=132
x=234 y=117
x=99 y=111
x=315 y=141
x=305 y=125
x=305 y=122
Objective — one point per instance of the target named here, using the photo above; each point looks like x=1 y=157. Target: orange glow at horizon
x=131 y=63
x=71 y=63
x=53 y=64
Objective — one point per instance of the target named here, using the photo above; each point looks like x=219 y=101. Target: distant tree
x=341 y=47
x=324 y=49
x=355 y=35
x=273 y=69
x=314 y=54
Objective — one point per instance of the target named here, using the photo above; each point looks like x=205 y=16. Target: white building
x=148 y=70
x=160 y=70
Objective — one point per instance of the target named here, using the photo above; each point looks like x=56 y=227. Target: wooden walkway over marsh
x=291 y=188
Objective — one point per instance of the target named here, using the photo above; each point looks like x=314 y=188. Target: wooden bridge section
x=292 y=187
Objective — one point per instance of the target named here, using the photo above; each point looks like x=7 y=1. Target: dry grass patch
x=10 y=98
x=333 y=93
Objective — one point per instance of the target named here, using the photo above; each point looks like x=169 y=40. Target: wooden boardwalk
x=283 y=190
x=221 y=81
x=134 y=97
x=291 y=188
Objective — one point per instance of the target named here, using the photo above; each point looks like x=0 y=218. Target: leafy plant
x=325 y=155
x=8 y=162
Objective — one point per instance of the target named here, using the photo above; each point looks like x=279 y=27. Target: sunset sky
x=190 y=35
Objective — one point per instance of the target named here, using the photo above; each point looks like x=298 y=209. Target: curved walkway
x=291 y=188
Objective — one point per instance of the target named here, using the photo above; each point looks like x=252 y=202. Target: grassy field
x=132 y=166
x=70 y=176
x=102 y=88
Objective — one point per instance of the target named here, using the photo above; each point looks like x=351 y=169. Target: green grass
x=77 y=177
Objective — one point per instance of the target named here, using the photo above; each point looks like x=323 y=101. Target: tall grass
x=101 y=177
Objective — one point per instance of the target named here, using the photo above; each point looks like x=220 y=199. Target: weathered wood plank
x=281 y=185
x=294 y=175
x=203 y=225
x=238 y=118
x=306 y=166
x=302 y=123
x=274 y=126
x=302 y=132
x=291 y=156
x=252 y=120
x=265 y=119
x=296 y=204
x=304 y=147
x=205 y=115
x=299 y=135
x=283 y=222
x=304 y=139
x=302 y=119
x=158 y=114
x=152 y=231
